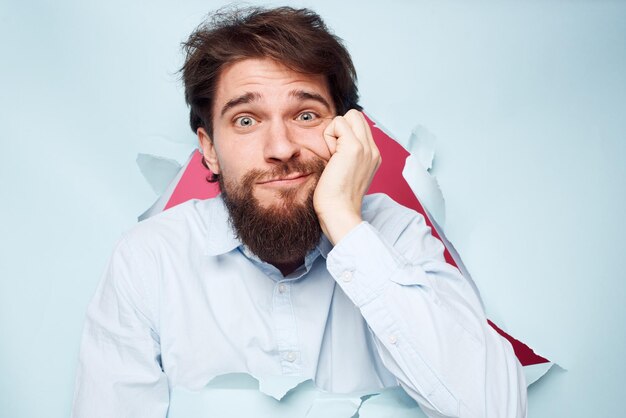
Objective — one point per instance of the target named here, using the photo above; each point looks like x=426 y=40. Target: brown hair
x=297 y=38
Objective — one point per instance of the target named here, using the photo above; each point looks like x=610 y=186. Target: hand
x=354 y=159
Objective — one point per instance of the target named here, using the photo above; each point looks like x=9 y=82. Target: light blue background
x=528 y=101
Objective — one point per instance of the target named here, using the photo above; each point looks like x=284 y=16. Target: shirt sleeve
x=119 y=372
x=428 y=324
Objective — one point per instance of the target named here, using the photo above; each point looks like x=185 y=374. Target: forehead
x=268 y=78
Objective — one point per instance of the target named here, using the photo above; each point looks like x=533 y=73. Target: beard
x=284 y=231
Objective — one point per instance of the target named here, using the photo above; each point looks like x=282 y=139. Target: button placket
x=285 y=329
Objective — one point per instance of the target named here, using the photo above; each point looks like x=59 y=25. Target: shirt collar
x=324 y=246
x=220 y=235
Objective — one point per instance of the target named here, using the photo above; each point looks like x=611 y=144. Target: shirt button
x=291 y=356
x=282 y=288
x=393 y=339
x=346 y=276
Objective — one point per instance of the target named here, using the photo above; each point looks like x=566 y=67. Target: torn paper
x=158 y=171
x=421 y=147
x=535 y=372
x=190 y=182
x=238 y=395
x=330 y=405
x=159 y=205
x=391 y=403
x=278 y=386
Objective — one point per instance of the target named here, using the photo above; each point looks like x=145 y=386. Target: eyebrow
x=253 y=97
x=307 y=95
x=243 y=99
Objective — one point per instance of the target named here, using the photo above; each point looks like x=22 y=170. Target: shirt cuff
x=364 y=265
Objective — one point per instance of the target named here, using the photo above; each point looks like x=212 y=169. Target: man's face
x=268 y=119
x=269 y=150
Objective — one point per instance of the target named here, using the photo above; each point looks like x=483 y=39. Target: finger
x=358 y=126
x=362 y=126
x=344 y=133
x=330 y=138
x=375 y=152
x=347 y=141
x=368 y=129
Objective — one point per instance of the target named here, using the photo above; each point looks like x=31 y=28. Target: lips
x=292 y=178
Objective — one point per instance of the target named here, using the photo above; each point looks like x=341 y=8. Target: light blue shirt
x=183 y=301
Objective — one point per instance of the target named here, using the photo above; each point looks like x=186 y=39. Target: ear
x=208 y=150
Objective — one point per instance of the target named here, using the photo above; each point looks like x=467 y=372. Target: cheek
x=234 y=158
x=232 y=171
x=321 y=149
x=313 y=140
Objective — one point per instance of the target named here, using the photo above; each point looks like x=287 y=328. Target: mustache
x=315 y=166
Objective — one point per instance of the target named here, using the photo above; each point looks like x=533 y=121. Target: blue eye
x=306 y=116
x=245 y=121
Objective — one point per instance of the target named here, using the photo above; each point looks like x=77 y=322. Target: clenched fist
x=354 y=159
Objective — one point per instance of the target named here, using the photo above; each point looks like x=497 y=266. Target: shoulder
x=181 y=226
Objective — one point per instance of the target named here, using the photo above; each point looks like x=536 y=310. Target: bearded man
x=291 y=270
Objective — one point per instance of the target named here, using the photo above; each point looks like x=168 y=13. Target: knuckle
x=353 y=116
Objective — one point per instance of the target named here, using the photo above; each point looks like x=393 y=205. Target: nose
x=280 y=144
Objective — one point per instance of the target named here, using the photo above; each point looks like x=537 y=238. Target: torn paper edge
x=349 y=403
x=154 y=169
x=159 y=205
x=277 y=387
x=535 y=372
x=421 y=149
x=422 y=142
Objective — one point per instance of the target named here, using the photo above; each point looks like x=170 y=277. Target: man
x=291 y=271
